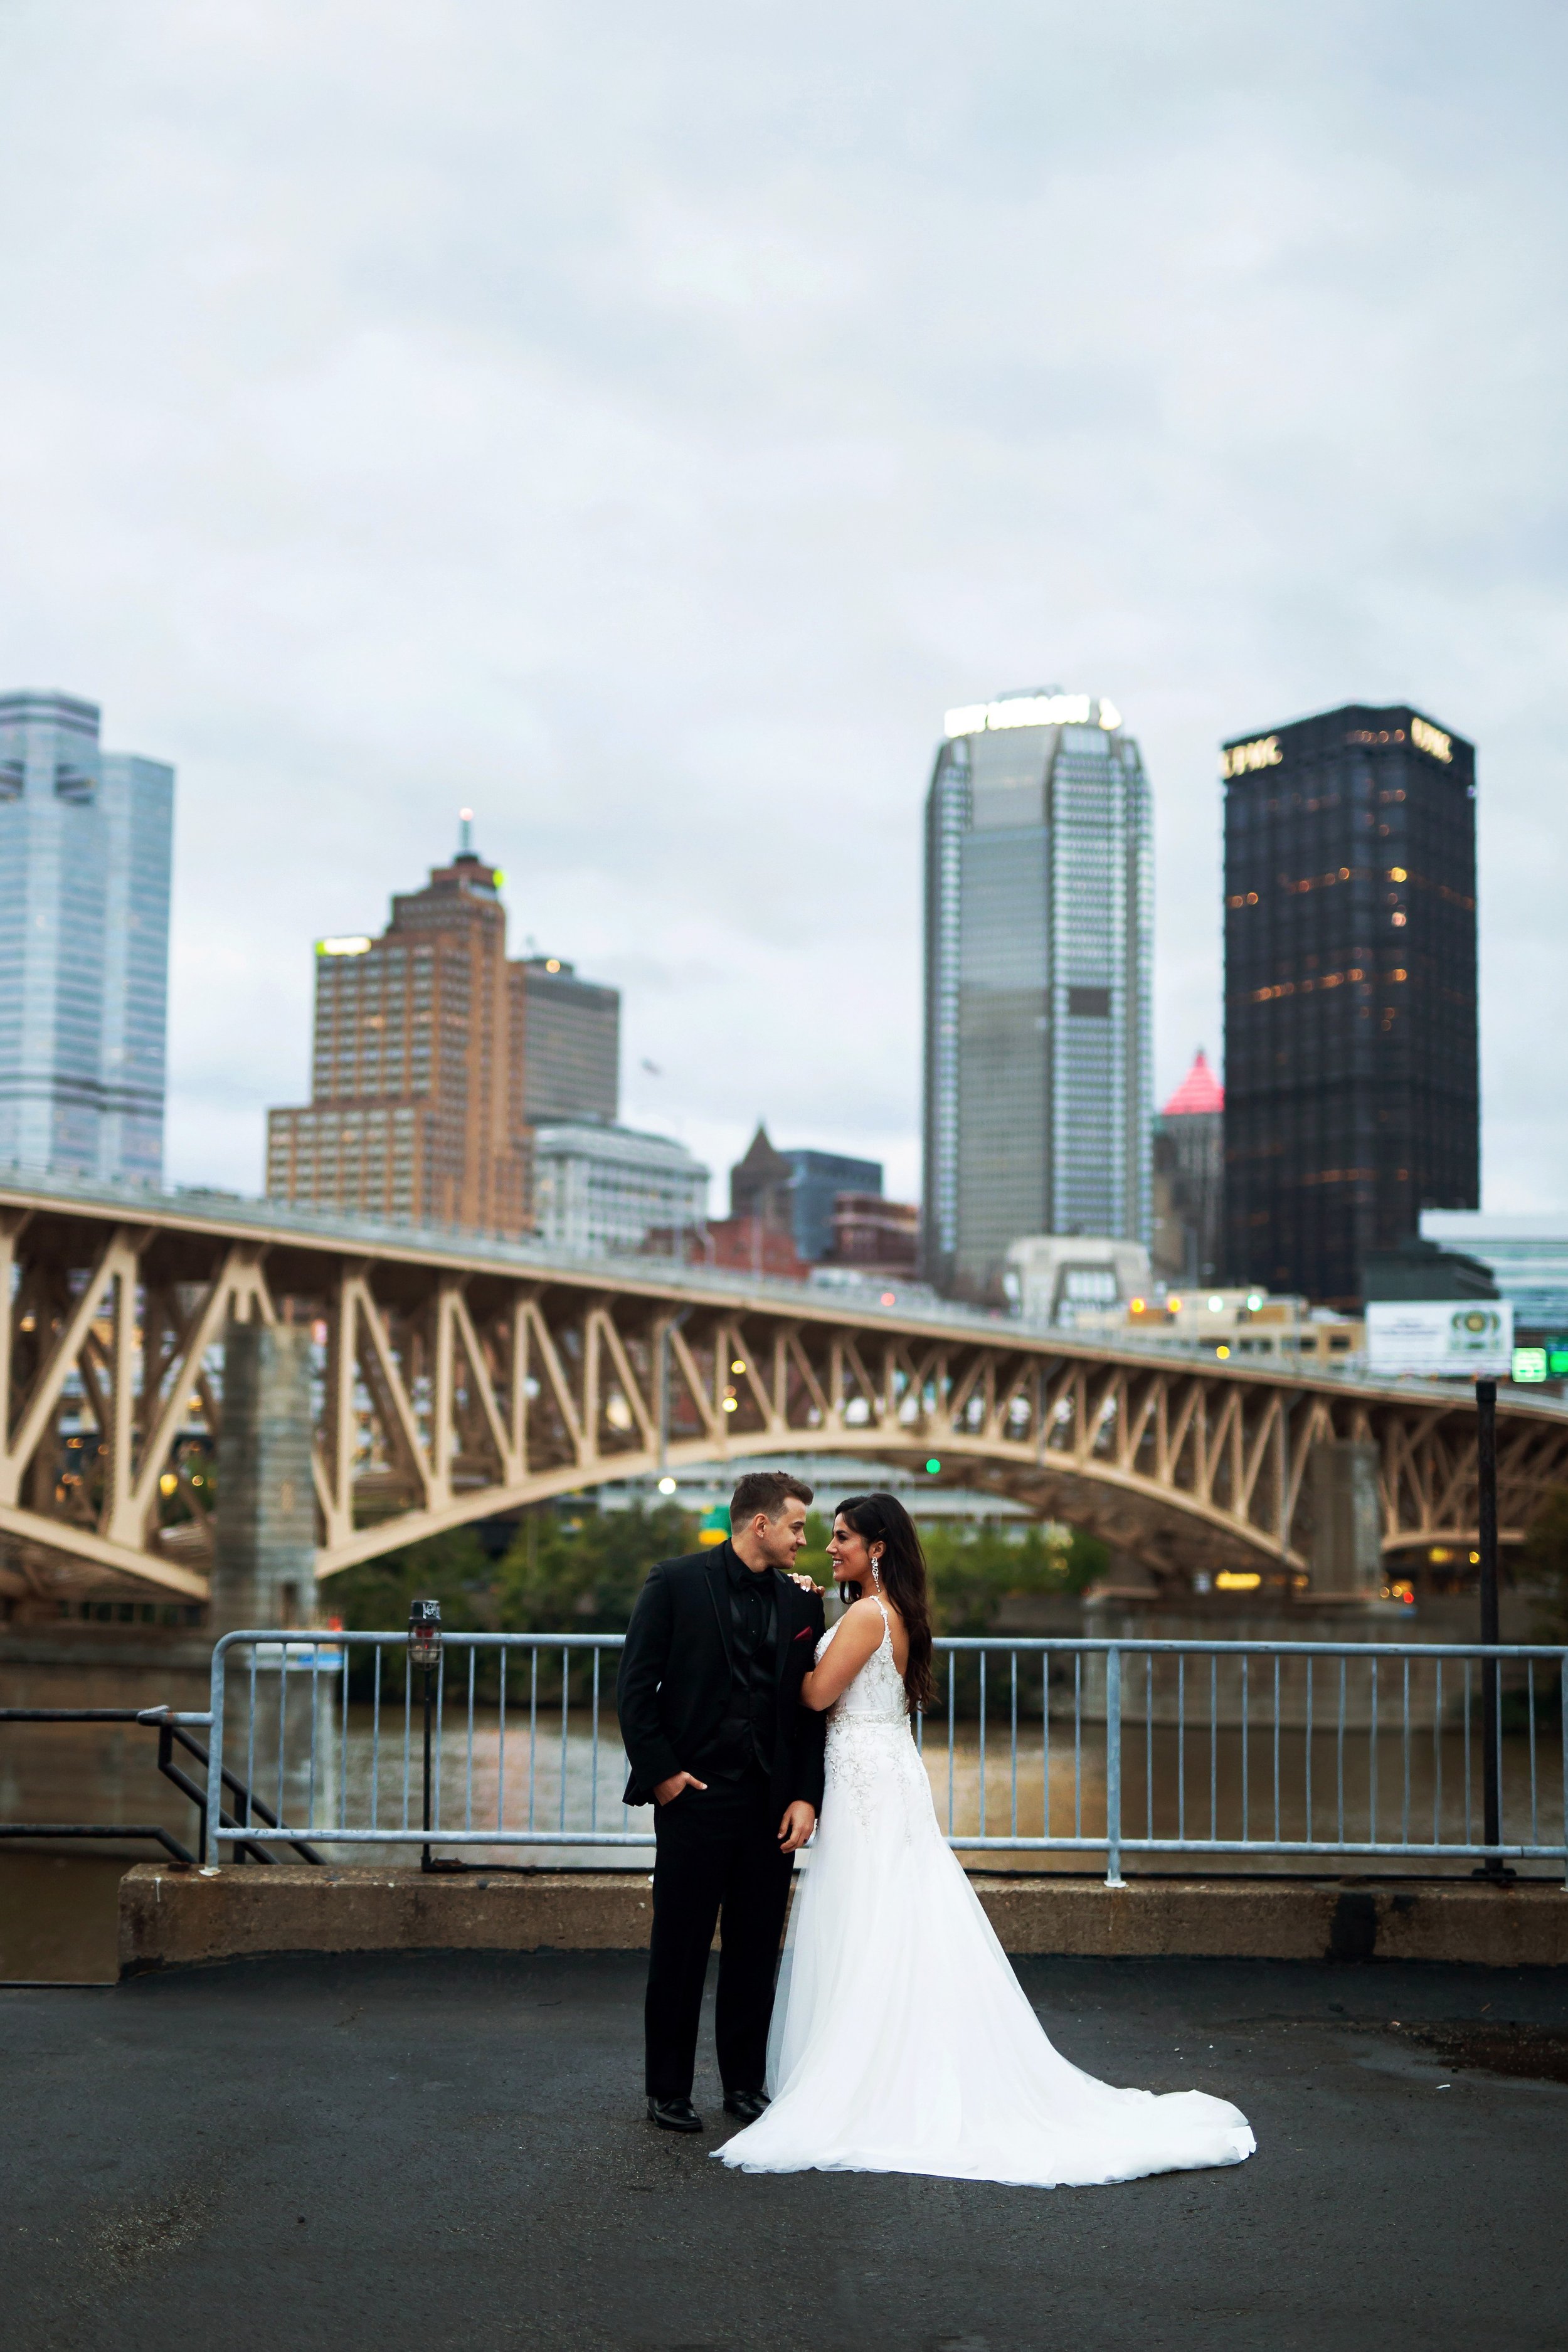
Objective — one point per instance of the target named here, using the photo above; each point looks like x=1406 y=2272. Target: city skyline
x=650 y=459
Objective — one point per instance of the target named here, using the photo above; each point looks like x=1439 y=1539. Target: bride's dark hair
x=883 y=1518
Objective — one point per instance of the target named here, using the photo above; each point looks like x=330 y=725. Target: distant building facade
x=1068 y=1279
x=417 y=1105
x=761 y=1184
x=86 y=839
x=605 y=1190
x=1351 y=1058
x=1526 y=1256
x=740 y=1244
x=572 y=1041
x=875 y=1236
x=795 y=1191
x=1189 y=1178
x=1038 y=942
x=820 y=1179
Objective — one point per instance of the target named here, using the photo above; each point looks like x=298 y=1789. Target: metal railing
x=1246 y=1750
x=172 y=1727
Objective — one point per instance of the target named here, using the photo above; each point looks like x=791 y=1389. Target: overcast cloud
x=642 y=424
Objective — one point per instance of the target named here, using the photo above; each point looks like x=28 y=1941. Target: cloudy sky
x=643 y=423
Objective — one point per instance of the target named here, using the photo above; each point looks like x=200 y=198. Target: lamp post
x=424 y=1651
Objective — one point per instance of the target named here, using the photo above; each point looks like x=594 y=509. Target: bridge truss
x=457 y=1378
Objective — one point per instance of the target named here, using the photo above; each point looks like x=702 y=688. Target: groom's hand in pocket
x=665 y=1792
x=796 y=1826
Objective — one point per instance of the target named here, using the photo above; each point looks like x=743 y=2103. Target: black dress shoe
x=673 y=2114
x=747 y=2105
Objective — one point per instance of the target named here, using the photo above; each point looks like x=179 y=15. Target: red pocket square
x=804 y=1634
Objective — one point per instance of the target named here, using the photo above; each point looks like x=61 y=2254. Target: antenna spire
x=464 y=833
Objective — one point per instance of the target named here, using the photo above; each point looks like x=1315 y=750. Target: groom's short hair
x=766 y=1491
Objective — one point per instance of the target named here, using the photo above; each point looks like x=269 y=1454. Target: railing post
x=214 y=1757
x=1114 y=1768
x=1492 y=1668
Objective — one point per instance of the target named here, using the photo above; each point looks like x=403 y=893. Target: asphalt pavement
x=449 y=2151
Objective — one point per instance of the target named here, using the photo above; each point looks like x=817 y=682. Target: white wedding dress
x=901 y=2040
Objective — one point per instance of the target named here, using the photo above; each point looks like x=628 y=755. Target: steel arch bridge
x=459 y=1379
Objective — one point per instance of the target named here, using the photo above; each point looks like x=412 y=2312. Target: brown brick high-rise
x=416 y=1103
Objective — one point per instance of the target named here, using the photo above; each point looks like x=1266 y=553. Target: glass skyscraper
x=85 y=846
x=1038 y=941
x=1351 y=1075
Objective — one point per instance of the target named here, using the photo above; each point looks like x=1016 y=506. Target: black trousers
x=717 y=1852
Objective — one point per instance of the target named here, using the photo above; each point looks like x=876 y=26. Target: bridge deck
x=452 y=1377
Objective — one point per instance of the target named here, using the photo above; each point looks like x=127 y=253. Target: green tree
x=563 y=1571
x=972 y=1572
x=578 y=1569
x=581 y=1572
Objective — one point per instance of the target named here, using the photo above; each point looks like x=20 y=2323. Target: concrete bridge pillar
x=1347 y=1518
x=264 y=1565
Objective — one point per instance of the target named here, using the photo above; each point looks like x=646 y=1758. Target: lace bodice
x=876 y=1693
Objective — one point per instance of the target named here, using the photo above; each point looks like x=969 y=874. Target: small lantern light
x=425 y=1633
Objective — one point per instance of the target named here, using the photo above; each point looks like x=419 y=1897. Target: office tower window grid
x=416 y=1076
x=572 y=1042
x=1352 y=1067
x=85 y=849
x=1038 y=934
x=603 y=1190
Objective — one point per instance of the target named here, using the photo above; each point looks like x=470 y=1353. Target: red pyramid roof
x=1199 y=1090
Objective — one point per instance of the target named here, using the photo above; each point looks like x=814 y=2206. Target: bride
x=901 y=2041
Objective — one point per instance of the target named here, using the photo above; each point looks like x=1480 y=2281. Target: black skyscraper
x=1352 y=1098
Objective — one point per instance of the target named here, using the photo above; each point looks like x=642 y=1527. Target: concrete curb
x=170 y=1917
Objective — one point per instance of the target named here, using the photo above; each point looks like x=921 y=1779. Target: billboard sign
x=1440 y=1338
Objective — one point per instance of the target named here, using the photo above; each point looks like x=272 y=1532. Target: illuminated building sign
x=1427 y=738
x=1031 y=710
x=1242 y=758
x=342 y=947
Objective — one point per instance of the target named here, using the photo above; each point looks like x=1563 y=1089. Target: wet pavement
x=447 y=2151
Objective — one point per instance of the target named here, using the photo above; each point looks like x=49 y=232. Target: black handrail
x=156 y=1718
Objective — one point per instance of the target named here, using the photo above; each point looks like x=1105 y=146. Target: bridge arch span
x=453 y=1378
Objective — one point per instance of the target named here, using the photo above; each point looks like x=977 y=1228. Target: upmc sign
x=1440 y=1338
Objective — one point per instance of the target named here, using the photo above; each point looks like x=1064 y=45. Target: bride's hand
x=806 y=1584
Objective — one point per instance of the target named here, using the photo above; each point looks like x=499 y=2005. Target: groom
x=709 y=1699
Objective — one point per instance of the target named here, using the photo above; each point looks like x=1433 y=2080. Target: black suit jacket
x=675 y=1676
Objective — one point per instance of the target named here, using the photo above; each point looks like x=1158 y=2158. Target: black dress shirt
x=750 y=1727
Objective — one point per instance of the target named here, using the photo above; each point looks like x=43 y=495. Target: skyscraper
x=417 y=1092
x=85 y=847
x=1189 y=1178
x=1038 y=936
x=1352 y=1090
x=571 y=1030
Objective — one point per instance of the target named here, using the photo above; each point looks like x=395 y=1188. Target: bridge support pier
x=264 y=1564
x=1347 y=1520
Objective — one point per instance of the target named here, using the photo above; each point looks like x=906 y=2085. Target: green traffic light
x=932 y=1467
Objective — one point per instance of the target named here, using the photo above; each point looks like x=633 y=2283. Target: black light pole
x=1485 y=1487
x=425 y=1651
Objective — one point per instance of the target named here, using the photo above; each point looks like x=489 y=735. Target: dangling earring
x=876 y=1575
